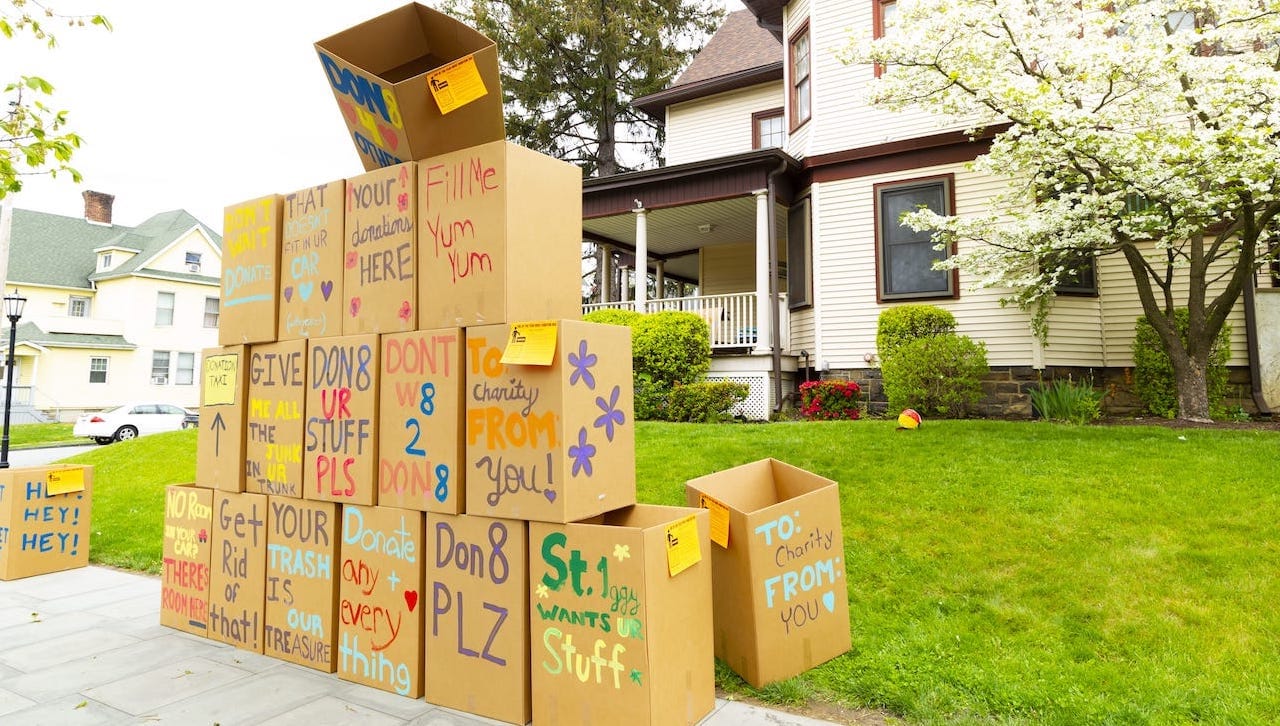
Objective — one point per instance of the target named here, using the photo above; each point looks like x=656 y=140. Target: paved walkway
x=85 y=646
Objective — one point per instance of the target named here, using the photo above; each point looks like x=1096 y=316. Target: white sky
x=194 y=106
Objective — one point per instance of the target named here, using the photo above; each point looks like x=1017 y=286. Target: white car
x=130 y=421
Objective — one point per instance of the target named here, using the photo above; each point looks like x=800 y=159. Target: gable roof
x=151 y=238
x=739 y=54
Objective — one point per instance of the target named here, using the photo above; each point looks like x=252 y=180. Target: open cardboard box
x=413 y=83
x=781 y=600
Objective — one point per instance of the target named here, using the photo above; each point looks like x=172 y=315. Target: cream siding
x=718 y=125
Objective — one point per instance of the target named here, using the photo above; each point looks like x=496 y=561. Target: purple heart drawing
x=288 y=293
x=326 y=288
x=550 y=494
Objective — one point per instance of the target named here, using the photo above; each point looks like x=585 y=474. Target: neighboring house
x=113 y=313
x=780 y=184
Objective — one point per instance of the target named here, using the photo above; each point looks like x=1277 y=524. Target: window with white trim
x=98 y=370
x=211 y=312
x=164 y=309
x=78 y=307
x=185 y=373
x=160 y=368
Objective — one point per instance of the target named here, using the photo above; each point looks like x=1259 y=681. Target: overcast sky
x=194 y=106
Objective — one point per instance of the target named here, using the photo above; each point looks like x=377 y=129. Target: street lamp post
x=13 y=304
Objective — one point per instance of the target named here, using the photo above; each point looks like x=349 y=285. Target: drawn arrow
x=218 y=427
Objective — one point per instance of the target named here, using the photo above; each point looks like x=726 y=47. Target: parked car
x=191 y=420
x=130 y=421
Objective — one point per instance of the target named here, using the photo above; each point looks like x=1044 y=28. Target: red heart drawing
x=355 y=306
x=389 y=136
x=411 y=599
x=348 y=111
x=352 y=258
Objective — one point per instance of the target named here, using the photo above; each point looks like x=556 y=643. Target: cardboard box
x=380 y=265
x=413 y=83
x=311 y=262
x=277 y=397
x=238 y=569
x=381 y=599
x=300 y=614
x=617 y=637
x=340 y=457
x=499 y=237
x=477 y=644
x=420 y=450
x=552 y=440
x=44 y=519
x=250 y=271
x=781 y=600
x=224 y=393
x=187 y=550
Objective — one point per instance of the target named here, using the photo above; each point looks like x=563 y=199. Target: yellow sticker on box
x=64 y=481
x=719 y=519
x=531 y=344
x=683 y=550
x=457 y=84
x=221 y=373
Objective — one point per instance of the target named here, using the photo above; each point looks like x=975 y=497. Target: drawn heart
x=326 y=289
x=411 y=599
x=305 y=289
x=352 y=258
x=389 y=136
x=288 y=293
x=355 y=306
x=348 y=112
x=406 y=311
x=829 y=600
x=550 y=494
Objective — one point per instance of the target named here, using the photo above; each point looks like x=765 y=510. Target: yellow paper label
x=456 y=84
x=683 y=550
x=221 y=372
x=719 y=519
x=531 y=344
x=64 y=481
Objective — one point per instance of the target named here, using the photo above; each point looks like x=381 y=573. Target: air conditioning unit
x=159 y=380
x=193 y=267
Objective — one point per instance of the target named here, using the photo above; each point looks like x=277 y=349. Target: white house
x=779 y=202
x=113 y=313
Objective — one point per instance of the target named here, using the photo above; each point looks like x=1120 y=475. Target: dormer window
x=104 y=261
x=193 y=262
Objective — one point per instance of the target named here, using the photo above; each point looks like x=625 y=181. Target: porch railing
x=732 y=318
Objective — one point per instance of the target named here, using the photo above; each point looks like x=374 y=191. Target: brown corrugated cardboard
x=44 y=519
x=420 y=417
x=250 y=271
x=381 y=600
x=187 y=549
x=477 y=628
x=553 y=442
x=238 y=569
x=311 y=257
x=380 y=272
x=340 y=446
x=301 y=608
x=616 y=637
x=413 y=83
x=781 y=600
x=277 y=396
x=224 y=393
x=499 y=228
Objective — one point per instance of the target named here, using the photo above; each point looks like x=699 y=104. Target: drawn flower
x=611 y=414
x=621 y=551
x=582 y=362
x=406 y=310
x=352 y=258
x=541 y=590
x=402 y=203
x=582 y=453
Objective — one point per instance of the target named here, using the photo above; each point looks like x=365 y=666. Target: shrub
x=705 y=401
x=830 y=400
x=1153 y=380
x=612 y=316
x=669 y=348
x=938 y=375
x=1064 y=400
x=903 y=323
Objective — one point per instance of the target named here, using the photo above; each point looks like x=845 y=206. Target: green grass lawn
x=1011 y=573
x=42 y=434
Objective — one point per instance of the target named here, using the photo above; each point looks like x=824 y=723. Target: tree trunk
x=1190 y=375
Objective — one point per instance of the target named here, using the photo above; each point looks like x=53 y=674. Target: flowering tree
x=1144 y=128
x=33 y=137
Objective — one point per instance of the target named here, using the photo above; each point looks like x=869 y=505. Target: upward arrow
x=218 y=427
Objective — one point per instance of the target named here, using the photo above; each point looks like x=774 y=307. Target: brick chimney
x=97 y=207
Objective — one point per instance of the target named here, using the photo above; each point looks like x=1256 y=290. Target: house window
x=799 y=255
x=97 y=370
x=193 y=261
x=1079 y=275
x=160 y=368
x=766 y=129
x=164 y=309
x=905 y=257
x=211 y=312
x=78 y=307
x=801 y=92
x=882 y=12
x=105 y=261
x=185 y=373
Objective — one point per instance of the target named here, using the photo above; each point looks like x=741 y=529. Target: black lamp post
x=13 y=304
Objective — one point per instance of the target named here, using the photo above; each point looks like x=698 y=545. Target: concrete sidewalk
x=85 y=646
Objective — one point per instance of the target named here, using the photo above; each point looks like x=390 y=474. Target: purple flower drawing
x=611 y=413
x=582 y=362
x=582 y=453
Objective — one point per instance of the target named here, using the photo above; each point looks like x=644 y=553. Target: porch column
x=660 y=276
x=642 y=257
x=605 y=273
x=764 y=313
x=624 y=287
